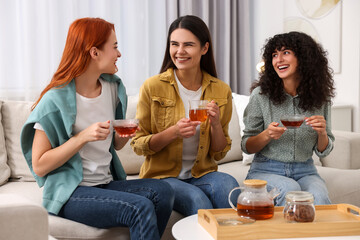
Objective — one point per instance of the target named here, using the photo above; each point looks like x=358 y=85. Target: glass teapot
x=254 y=201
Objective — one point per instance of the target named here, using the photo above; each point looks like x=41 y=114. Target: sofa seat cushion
x=61 y=228
x=64 y=229
x=343 y=184
x=22 y=219
x=236 y=169
x=29 y=190
x=4 y=167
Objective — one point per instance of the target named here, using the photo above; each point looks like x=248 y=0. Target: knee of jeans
x=166 y=194
x=165 y=189
x=199 y=200
x=321 y=199
x=283 y=189
x=321 y=196
x=286 y=186
x=147 y=211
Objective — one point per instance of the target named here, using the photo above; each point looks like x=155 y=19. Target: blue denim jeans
x=143 y=205
x=288 y=177
x=207 y=192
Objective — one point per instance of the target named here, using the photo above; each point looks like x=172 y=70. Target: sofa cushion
x=236 y=169
x=241 y=102
x=235 y=153
x=14 y=115
x=59 y=227
x=343 y=184
x=4 y=168
x=63 y=229
x=18 y=215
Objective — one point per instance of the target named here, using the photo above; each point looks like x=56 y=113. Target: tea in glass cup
x=292 y=121
x=198 y=110
x=125 y=126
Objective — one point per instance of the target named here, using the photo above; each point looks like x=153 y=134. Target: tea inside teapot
x=254 y=201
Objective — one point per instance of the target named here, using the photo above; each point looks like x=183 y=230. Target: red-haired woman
x=69 y=144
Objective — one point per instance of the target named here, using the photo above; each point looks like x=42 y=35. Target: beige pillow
x=235 y=153
x=14 y=114
x=129 y=159
x=4 y=168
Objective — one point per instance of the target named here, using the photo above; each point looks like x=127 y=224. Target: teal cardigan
x=56 y=112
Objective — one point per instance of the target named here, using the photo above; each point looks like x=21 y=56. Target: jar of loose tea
x=299 y=207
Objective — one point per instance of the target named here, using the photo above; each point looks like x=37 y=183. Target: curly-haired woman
x=296 y=80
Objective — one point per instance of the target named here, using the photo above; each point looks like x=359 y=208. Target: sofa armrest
x=346 y=152
x=22 y=219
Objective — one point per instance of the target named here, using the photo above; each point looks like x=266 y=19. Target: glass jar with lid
x=299 y=207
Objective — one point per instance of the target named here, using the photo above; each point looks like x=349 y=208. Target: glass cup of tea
x=125 y=126
x=292 y=121
x=198 y=110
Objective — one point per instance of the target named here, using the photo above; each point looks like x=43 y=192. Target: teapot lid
x=256 y=183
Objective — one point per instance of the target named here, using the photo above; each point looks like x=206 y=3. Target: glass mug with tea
x=198 y=110
x=292 y=121
x=125 y=126
x=254 y=200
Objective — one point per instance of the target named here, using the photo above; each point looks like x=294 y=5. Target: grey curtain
x=229 y=24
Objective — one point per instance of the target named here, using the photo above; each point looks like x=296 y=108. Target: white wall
x=268 y=20
x=348 y=80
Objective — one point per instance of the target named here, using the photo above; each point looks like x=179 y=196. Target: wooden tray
x=330 y=220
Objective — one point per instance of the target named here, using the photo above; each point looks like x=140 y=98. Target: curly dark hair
x=316 y=77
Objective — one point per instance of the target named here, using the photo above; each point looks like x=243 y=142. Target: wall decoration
x=314 y=17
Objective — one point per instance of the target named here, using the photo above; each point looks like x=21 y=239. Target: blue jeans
x=288 y=177
x=207 y=192
x=143 y=205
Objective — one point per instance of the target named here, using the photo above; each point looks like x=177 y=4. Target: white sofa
x=340 y=170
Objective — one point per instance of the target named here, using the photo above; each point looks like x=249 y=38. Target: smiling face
x=186 y=50
x=108 y=55
x=285 y=63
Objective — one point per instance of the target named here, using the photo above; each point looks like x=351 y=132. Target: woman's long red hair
x=84 y=33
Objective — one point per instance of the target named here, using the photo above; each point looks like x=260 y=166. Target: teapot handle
x=229 y=197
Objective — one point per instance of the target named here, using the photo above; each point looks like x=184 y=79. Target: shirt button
x=201 y=147
x=162 y=103
x=202 y=132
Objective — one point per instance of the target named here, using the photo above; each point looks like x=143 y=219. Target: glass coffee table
x=189 y=229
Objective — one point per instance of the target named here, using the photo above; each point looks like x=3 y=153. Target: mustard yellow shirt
x=160 y=107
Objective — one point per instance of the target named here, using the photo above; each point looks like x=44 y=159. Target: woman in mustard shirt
x=179 y=151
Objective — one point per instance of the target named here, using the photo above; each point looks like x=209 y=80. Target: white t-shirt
x=191 y=144
x=95 y=156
